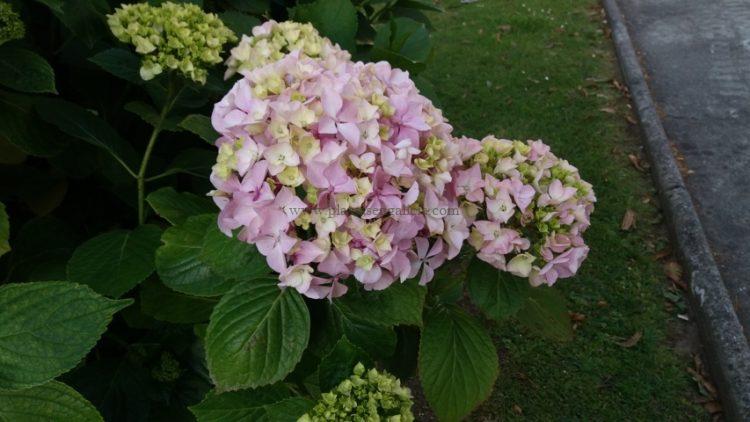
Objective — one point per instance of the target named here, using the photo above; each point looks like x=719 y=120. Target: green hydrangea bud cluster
x=272 y=41
x=172 y=36
x=364 y=397
x=11 y=26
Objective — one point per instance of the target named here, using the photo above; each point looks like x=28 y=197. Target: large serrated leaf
x=119 y=62
x=401 y=303
x=337 y=365
x=335 y=19
x=498 y=294
x=201 y=126
x=82 y=124
x=20 y=126
x=115 y=262
x=163 y=304
x=457 y=362
x=243 y=405
x=26 y=71
x=53 y=401
x=48 y=327
x=197 y=259
x=176 y=207
x=256 y=335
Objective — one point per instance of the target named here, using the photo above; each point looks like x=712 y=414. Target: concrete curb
x=720 y=329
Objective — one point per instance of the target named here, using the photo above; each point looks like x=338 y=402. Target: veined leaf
x=201 y=126
x=457 y=362
x=256 y=335
x=26 y=71
x=337 y=365
x=401 y=303
x=48 y=327
x=53 y=401
x=115 y=262
x=176 y=207
x=335 y=19
x=121 y=63
x=498 y=294
x=197 y=259
x=165 y=304
x=82 y=124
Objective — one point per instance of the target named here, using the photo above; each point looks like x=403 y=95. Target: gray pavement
x=697 y=57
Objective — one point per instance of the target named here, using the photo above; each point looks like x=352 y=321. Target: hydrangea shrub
x=348 y=210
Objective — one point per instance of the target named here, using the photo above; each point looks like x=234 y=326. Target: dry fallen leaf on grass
x=636 y=162
x=631 y=120
x=632 y=341
x=673 y=270
x=628 y=220
x=517 y=410
x=609 y=110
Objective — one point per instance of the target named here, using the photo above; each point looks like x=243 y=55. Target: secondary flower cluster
x=11 y=26
x=271 y=41
x=334 y=168
x=532 y=208
x=171 y=36
x=364 y=397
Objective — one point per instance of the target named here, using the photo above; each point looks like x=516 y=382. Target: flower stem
x=141 y=176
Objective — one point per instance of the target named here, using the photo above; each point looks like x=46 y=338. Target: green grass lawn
x=533 y=69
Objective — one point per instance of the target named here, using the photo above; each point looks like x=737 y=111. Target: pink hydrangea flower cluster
x=532 y=208
x=336 y=169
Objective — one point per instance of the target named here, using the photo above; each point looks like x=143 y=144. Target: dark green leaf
x=55 y=5
x=427 y=5
x=85 y=18
x=41 y=250
x=26 y=71
x=20 y=126
x=256 y=7
x=401 y=303
x=179 y=260
x=403 y=42
x=544 y=313
x=232 y=258
x=289 y=409
x=149 y=115
x=176 y=207
x=53 y=401
x=242 y=405
x=201 y=126
x=256 y=336
x=338 y=365
x=457 y=362
x=115 y=262
x=379 y=340
x=119 y=388
x=498 y=294
x=335 y=19
x=194 y=161
x=48 y=327
x=239 y=22
x=167 y=305
x=198 y=259
x=4 y=230
x=82 y=124
x=121 y=63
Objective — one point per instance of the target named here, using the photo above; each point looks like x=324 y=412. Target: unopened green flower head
x=365 y=396
x=273 y=40
x=11 y=26
x=178 y=37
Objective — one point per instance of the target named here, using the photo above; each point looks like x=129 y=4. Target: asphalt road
x=697 y=57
